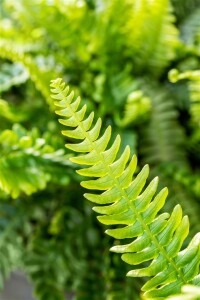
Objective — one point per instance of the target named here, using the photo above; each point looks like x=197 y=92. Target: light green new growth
x=125 y=200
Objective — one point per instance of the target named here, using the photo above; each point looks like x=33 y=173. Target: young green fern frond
x=157 y=239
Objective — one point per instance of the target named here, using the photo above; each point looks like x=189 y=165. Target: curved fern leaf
x=121 y=199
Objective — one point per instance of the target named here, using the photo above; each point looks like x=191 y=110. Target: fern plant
x=98 y=48
x=157 y=238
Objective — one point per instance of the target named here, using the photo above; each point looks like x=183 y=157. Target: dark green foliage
x=117 y=55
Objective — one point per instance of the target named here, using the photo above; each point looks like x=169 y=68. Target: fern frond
x=27 y=163
x=160 y=147
x=121 y=199
x=180 y=194
x=154 y=21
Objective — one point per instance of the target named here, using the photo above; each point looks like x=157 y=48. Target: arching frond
x=121 y=198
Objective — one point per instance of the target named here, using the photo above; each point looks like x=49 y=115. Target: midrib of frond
x=123 y=193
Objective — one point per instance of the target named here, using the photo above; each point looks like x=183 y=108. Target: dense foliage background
x=137 y=64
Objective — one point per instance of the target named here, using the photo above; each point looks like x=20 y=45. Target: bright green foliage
x=23 y=159
x=117 y=55
x=158 y=238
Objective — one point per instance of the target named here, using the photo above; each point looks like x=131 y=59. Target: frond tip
x=122 y=198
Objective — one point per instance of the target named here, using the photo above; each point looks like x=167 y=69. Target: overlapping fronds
x=162 y=146
x=180 y=194
x=26 y=161
x=126 y=201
